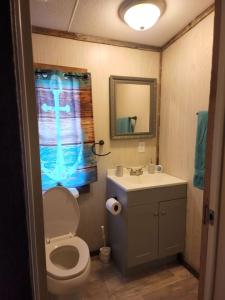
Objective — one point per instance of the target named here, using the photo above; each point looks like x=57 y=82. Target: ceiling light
x=141 y=14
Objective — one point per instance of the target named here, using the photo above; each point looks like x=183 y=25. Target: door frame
x=215 y=139
x=219 y=287
x=26 y=99
x=21 y=31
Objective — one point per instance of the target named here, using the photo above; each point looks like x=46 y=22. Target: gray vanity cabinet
x=150 y=227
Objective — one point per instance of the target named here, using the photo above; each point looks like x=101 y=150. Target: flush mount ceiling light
x=141 y=14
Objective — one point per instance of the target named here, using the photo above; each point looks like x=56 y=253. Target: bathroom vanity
x=151 y=225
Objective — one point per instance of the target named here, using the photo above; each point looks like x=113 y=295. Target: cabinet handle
x=163 y=212
x=155 y=214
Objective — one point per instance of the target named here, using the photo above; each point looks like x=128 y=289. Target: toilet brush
x=103 y=235
x=104 y=251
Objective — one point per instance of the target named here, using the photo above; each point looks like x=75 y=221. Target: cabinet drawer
x=156 y=194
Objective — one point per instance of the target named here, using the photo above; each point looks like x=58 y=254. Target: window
x=66 y=130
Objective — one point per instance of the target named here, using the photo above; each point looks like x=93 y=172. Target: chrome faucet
x=136 y=172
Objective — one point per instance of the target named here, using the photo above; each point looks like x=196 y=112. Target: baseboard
x=181 y=259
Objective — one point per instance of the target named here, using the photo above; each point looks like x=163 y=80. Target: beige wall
x=102 y=61
x=186 y=72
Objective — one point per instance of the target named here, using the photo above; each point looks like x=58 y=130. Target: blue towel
x=123 y=125
x=200 y=150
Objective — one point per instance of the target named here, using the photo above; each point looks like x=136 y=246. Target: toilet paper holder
x=113 y=206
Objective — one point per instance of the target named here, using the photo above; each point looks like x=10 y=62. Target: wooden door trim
x=218 y=288
x=22 y=50
x=218 y=284
x=209 y=150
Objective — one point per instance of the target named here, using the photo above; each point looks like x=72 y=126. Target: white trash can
x=104 y=254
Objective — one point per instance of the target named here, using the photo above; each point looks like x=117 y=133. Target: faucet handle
x=136 y=171
x=135 y=168
x=140 y=171
x=132 y=171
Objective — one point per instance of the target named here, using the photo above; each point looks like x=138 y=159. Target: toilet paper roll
x=113 y=206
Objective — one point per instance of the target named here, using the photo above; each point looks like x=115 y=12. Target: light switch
x=141 y=147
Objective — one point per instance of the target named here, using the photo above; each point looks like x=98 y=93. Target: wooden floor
x=172 y=282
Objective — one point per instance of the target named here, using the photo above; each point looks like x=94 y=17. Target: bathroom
x=182 y=96
x=178 y=57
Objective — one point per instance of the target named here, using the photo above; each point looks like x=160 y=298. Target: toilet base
x=65 y=288
x=57 y=286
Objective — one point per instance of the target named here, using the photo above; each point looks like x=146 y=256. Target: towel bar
x=100 y=143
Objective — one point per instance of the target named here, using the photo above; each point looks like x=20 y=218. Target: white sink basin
x=145 y=181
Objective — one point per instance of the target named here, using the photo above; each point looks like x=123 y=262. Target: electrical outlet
x=141 y=147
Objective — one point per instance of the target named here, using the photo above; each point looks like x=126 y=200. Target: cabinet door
x=172 y=220
x=142 y=234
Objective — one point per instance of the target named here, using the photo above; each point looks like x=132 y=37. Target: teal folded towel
x=123 y=125
x=200 y=150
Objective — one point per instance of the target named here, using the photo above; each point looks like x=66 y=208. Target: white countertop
x=145 y=181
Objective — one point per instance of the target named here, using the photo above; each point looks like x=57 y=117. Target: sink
x=142 y=179
x=145 y=181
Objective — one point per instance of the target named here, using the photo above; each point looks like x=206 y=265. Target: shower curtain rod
x=69 y=74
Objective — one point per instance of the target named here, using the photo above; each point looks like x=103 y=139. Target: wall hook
x=100 y=143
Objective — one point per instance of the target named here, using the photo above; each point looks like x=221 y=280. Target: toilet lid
x=61 y=212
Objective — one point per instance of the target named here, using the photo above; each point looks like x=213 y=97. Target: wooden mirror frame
x=152 y=82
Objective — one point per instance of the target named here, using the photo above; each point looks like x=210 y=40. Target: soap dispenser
x=151 y=168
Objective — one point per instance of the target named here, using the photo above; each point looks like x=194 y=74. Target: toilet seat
x=63 y=274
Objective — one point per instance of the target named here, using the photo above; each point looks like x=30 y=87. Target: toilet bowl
x=67 y=255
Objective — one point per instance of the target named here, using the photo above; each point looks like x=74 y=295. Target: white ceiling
x=100 y=18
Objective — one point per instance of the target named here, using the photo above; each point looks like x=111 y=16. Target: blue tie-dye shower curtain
x=66 y=130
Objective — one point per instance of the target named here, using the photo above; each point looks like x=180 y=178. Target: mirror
x=132 y=107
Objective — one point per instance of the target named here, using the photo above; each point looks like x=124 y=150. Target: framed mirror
x=132 y=107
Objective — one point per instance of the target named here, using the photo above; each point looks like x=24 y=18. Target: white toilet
x=67 y=255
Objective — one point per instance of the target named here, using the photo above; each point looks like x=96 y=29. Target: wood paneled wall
x=102 y=61
x=186 y=72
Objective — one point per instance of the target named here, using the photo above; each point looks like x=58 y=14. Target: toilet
x=67 y=255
